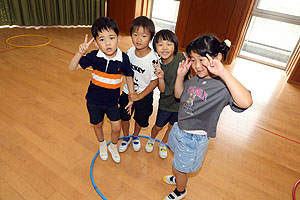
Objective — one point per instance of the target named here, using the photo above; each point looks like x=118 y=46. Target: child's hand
x=129 y=106
x=84 y=46
x=215 y=66
x=184 y=66
x=158 y=71
x=134 y=96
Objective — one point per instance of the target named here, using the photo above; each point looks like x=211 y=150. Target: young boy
x=141 y=57
x=165 y=43
x=108 y=63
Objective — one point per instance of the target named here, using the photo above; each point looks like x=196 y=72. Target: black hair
x=104 y=23
x=165 y=34
x=207 y=44
x=145 y=22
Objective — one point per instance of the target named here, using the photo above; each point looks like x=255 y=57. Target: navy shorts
x=142 y=109
x=97 y=112
x=163 y=117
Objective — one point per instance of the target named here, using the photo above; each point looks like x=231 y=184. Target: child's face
x=140 y=38
x=199 y=65
x=165 y=49
x=107 y=42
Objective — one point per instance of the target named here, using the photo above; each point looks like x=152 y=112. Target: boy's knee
x=116 y=126
x=157 y=128
x=99 y=125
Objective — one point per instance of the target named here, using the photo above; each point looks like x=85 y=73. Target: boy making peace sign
x=109 y=64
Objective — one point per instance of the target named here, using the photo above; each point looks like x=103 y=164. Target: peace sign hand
x=215 y=66
x=184 y=66
x=158 y=71
x=84 y=46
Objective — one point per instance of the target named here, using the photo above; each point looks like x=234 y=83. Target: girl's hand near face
x=184 y=67
x=215 y=66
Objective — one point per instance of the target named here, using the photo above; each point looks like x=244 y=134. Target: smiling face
x=199 y=65
x=140 y=38
x=107 y=41
x=165 y=49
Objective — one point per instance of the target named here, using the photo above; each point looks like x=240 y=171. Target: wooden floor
x=47 y=143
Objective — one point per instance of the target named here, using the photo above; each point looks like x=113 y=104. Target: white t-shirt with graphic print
x=143 y=70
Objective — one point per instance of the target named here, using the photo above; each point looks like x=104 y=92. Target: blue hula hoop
x=93 y=161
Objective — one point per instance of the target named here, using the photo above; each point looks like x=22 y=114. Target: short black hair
x=104 y=23
x=166 y=34
x=207 y=44
x=145 y=22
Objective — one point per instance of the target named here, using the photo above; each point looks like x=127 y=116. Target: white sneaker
x=124 y=145
x=136 y=145
x=170 y=179
x=163 y=151
x=114 y=152
x=173 y=196
x=103 y=150
x=150 y=144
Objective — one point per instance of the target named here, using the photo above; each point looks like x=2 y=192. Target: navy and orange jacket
x=104 y=88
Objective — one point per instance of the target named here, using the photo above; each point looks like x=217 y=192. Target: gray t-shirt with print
x=201 y=104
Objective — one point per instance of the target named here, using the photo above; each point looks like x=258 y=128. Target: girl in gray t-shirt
x=202 y=100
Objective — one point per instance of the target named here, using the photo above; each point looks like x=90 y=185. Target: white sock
x=114 y=152
x=162 y=144
x=114 y=149
x=152 y=139
x=103 y=147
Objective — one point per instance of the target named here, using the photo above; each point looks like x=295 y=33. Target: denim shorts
x=189 y=149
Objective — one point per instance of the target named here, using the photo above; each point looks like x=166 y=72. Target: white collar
x=118 y=56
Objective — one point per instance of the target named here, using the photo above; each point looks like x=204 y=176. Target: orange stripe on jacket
x=106 y=75
x=106 y=85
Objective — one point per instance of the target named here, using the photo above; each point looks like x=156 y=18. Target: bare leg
x=181 y=179
x=115 y=133
x=166 y=136
x=115 y=130
x=155 y=130
x=125 y=127
x=99 y=131
x=99 y=134
x=137 y=129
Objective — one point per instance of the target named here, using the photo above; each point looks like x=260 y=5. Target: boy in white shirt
x=141 y=57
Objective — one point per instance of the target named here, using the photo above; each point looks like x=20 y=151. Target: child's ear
x=219 y=56
x=119 y=39
x=95 y=44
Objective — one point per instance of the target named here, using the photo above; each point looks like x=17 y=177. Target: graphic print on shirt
x=139 y=70
x=192 y=93
x=188 y=106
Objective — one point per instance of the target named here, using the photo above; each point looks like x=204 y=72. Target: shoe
x=103 y=151
x=149 y=145
x=162 y=151
x=173 y=196
x=136 y=145
x=114 y=153
x=125 y=143
x=170 y=179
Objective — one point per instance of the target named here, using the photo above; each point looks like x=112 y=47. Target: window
x=164 y=14
x=272 y=34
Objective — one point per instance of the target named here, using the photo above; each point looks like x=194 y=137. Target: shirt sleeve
x=127 y=71
x=87 y=60
x=153 y=75
x=234 y=107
